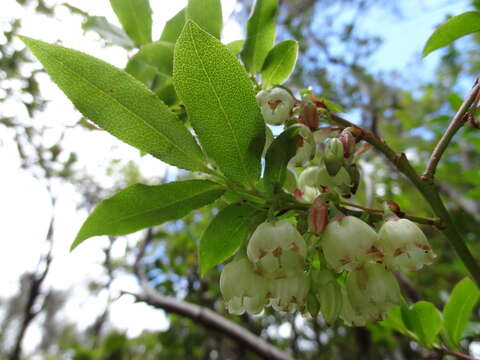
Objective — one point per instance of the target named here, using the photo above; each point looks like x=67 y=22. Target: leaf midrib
x=456 y=323
x=237 y=145
x=125 y=107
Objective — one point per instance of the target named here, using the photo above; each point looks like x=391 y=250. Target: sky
x=24 y=206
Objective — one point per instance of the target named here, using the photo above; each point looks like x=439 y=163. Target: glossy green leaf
x=279 y=63
x=220 y=103
x=141 y=206
x=136 y=19
x=207 y=14
x=121 y=105
x=395 y=321
x=261 y=33
x=107 y=31
x=236 y=46
x=278 y=155
x=424 y=320
x=173 y=27
x=226 y=233
x=458 y=310
x=453 y=29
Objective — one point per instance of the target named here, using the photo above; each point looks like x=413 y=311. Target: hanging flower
x=275 y=105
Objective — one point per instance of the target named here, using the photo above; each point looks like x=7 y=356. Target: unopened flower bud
x=277 y=250
x=404 y=244
x=290 y=293
x=348 y=314
x=328 y=292
x=348 y=141
x=275 y=105
x=354 y=176
x=305 y=147
x=309 y=114
x=318 y=216
x=242 y=289
x=333 y=156
x=372 y=291
x=348 y=243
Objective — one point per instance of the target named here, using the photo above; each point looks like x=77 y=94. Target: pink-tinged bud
x=277 y=250
x=318 y=216
x=333 y=157
x=348 y=243
x=348 y=141
x=242 y=289
x=372 y=291
x=275 y=105
x=309 y=114
x=404 y=245
x=290 y=293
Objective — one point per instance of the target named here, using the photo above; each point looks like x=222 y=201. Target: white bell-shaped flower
x=290 y=293
x=372 y=291
x=348 y=243
x=243 y=289
x=404 y=245
x=277 y=250
x=317 y=177
x=306 y=147
x=275 y=105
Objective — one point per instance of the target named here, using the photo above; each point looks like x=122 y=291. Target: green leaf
x=106 y=30
x=458 y=310
x=136 y=19
x=424 y=320
x=158 y=55
x=395 y=321
x=454 y=28
x=260 y=34
x=207 y=14
x=279 y=63
x=119 y=104
x=455 y=101
x=235 y=46
x=278 y=155
x=141 y=206
x=226 y=233
x=220 y=103
x=173 y=27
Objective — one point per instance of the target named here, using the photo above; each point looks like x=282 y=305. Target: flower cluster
x=326 y=260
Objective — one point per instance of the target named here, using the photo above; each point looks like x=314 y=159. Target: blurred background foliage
x=335 y=61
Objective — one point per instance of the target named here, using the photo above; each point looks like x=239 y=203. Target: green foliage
x=261 y=34
x=279 y=63
x=220 y=103
x=458 y=310
x=207 y=14
x=236 y=46
x=119 y=104
x=453 y=29
x=424 y=321
x=107 y=31
x=174 y=27
x=136 y=18
x=226 y=233
x=140 y=206
x=278 y=155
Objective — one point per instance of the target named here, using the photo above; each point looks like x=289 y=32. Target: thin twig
x=200 y=314
x=457 y=122
x=457 y=354
x=418 y=219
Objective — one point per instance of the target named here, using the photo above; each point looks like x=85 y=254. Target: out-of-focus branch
x=456 y=123
x=470 y=206
x=199 y=314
